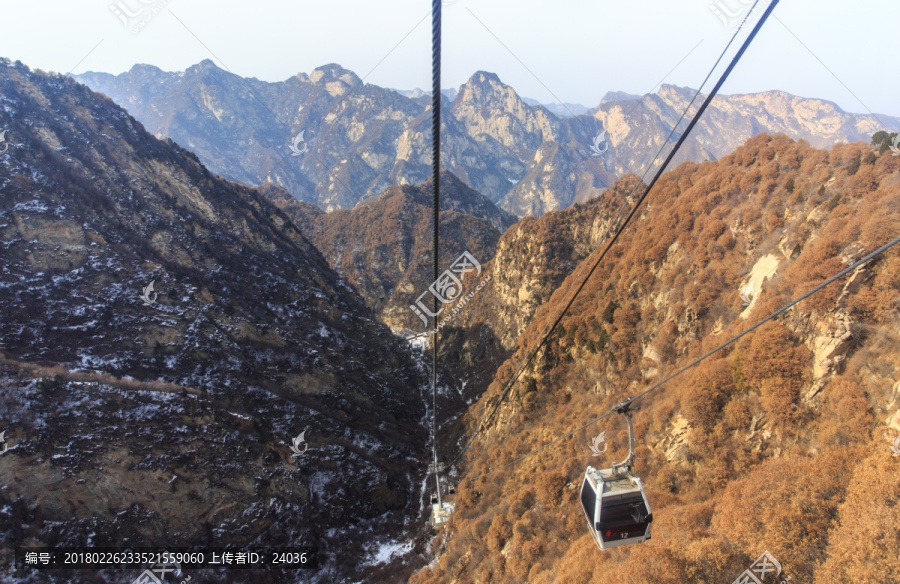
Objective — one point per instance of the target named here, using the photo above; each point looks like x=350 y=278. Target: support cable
x=436 y=170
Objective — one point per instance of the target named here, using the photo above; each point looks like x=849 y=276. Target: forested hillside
x=165 y=336
x=779 y=443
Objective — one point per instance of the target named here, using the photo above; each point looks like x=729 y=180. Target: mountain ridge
x=382 y=246
x=362 y=138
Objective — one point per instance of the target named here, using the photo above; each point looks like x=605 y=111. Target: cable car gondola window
x=588 y=500
x=624 y=516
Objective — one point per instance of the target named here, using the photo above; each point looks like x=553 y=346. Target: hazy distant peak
x=484 y=77
x=145 y=69
x=666 y=89
x=562 y=110
x=334 y=72
x=619 y=96
x=207 y=64
x=204 y=66
x=412 y=93
x=484 y=87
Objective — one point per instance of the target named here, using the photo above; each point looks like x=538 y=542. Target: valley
x=209 y=335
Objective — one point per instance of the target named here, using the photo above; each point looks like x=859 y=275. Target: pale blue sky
x=576 y=50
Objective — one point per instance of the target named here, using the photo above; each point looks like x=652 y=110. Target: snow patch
x=387 y=551
x=34 y=206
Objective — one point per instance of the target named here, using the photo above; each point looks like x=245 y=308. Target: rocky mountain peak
x=485 y=77
x=485 y=89
x=333 y=72
x=144 y=69
x=611 y=96
x=667 y=89
x=204 y=67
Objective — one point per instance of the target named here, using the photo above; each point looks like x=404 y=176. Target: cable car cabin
x=616 y=508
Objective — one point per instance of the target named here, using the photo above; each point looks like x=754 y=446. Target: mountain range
x=358 y=139
x=188 y=360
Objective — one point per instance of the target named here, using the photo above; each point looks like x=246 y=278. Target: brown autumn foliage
x=866 y=535
x=775 y=443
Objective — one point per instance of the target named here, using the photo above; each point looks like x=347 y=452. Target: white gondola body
x=616 y=507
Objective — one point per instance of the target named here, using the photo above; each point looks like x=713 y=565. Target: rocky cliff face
x=166 y=335
x=535 y=256
x=359 y=139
